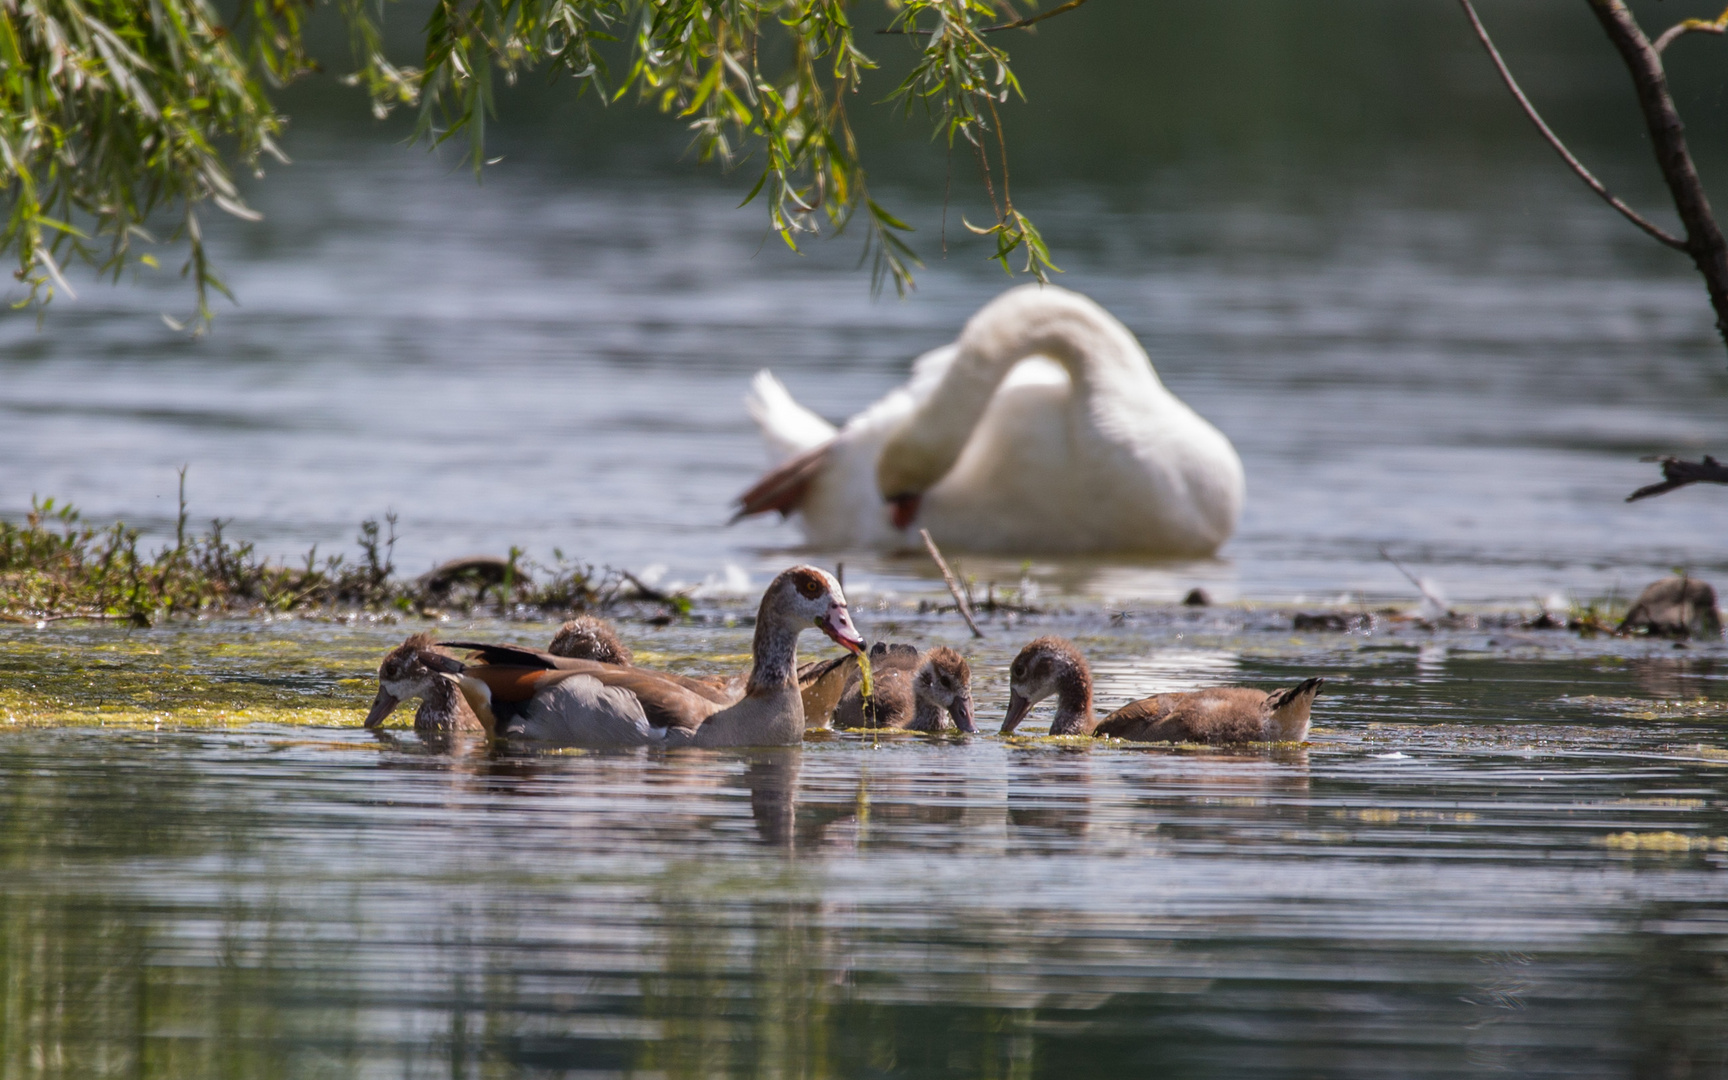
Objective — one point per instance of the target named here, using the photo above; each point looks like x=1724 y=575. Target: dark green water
x=1501 y=853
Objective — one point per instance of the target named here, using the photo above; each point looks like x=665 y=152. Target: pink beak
x=838 y=625
x=905 y=509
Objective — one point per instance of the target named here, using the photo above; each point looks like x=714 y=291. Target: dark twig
x=1566 y=155
x=1017 y=24
x=1677 y=474
x=1704 y=240
x=953 y=582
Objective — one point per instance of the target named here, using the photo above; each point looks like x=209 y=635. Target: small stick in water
x=953 y=583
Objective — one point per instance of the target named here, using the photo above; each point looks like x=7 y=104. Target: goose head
x=412 y=669
x=589 y=638
x=807 y=596
x=944 y=680
x=1050 y=665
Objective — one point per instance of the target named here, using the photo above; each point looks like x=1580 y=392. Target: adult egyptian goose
x=1219 y=714
x=607 y=705
x=1042 y=429
x=912 y=691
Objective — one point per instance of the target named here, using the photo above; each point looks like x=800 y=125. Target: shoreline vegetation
x=57 y=566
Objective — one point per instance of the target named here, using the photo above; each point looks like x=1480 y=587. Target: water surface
x=1501 y=852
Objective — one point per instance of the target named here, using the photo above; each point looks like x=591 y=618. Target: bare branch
x=1677 y=474
x=1717 y=25
x=1017 y=24
x=1566 y=155
x=1704 y=240
x=953 y=582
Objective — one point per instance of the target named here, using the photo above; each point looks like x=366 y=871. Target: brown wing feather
x=715 y=690
x=509 y=682
x=783 y=487
x=515 y=655
x=821 y=683
x=1132 y=719
x=666 y=703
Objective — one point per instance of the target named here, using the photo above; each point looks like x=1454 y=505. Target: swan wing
x=788 y=427
x=831 y=483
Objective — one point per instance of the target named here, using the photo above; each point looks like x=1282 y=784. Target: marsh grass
x=56 y=565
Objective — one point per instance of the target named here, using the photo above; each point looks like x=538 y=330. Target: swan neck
x=1102 y=358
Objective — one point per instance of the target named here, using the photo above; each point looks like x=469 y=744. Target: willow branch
x=1680 y=29
x=1017 y=24
x=1566 y=155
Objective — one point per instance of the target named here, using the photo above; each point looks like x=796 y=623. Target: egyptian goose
x=607 y=705
x=1042 y=429
x=912 y=691
x=1219 y=714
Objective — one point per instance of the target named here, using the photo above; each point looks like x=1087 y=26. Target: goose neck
x=1073 y=705
x=443 y=709
x=774 y=654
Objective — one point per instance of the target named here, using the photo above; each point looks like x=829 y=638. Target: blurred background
x=1329 y=224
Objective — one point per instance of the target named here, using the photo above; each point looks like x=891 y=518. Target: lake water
x=1502 y=853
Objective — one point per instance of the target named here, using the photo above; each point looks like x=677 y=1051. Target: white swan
x=1042 y=429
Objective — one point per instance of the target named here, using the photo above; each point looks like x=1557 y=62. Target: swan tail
x=789 y=428
x=784 y=487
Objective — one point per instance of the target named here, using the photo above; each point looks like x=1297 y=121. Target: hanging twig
x=953 y=582
x=1566 y=155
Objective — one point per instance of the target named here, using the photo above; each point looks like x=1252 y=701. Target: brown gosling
x=416 y=668
x=590 y=638
x=913 y=691
x=1220 y=714
x=1051 y=665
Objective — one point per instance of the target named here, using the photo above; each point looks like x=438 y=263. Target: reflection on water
x=1429 y=888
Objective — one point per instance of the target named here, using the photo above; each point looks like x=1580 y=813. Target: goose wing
x=580 y=710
